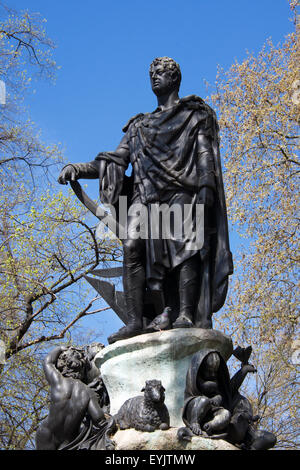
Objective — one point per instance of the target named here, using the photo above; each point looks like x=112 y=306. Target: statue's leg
x=134 y=284
x=134 y=279
x=196 y=411
x=260 y=440
x=188 y=280
x=219 y=422
x=238 y=427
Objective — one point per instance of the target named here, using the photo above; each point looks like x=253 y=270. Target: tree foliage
x=258 y=103
x=47 y=244
x=25 y=53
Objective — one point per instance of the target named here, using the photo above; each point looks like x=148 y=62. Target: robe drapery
x=169 y=166
x=194 y=374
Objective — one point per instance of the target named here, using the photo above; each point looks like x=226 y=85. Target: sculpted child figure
x=206 y=412
x=71 y=399
x=214 y=405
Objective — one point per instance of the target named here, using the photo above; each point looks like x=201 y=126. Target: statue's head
x=165 y=75
x=210 y=366
x=72 y=363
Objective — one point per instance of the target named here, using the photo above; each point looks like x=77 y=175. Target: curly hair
x=169 y=65
x=72 y=363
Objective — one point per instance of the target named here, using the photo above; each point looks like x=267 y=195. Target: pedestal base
x=131 y=439
x=127 y=364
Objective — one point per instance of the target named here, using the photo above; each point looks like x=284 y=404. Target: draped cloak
x=191 y=388
x=232 y=400
x=162 y=148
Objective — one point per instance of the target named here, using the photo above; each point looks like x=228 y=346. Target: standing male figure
x=174 y=153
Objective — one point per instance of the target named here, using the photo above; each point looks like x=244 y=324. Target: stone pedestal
x=127 y=364
x=130 y=439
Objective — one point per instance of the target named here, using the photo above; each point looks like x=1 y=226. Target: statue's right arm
x=239 y=377
x=90 y=170
x=53 y=375
x=75 y=171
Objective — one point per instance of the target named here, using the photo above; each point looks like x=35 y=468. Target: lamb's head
x=154 y=391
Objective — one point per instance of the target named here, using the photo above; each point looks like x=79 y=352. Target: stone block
x=165 y=355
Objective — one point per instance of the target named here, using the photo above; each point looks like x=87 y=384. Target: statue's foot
x=208 y=429
x=196 y=429
x=184 y=434
x=124 y=333
x=183 y=322
x=206 y=324
x=164 y=426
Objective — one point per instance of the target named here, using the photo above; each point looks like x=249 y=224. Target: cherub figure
x=206 y=394
x=213 y=404
x=71 y=400
x=242 y=429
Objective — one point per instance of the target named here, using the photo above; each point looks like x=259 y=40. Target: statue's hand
x=206 y=196
x=68 y=173
x=249 y=368
x=216 y=400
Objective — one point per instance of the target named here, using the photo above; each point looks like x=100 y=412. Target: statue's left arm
x=206 y=170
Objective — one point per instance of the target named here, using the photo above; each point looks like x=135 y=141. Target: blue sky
x=105 y=49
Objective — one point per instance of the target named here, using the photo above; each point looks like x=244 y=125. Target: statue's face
x=211 y=366
x=161 y=80
x=75 y=361
x=72 y=364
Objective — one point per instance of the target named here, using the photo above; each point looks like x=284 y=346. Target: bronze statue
x=174 y=153
x=206 y=395
x=146 y=412
x=213 y=405
x=170 y=281
x=75 y=414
